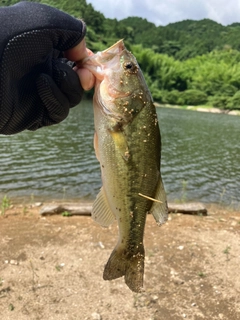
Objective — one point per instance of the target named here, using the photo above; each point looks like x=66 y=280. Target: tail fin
x=122 y=263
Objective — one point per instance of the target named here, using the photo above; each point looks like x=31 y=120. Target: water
x=200 y=158
x=53 y=162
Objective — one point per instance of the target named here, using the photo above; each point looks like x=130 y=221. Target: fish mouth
x=95 y=63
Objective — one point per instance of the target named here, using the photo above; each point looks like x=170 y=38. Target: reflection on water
x=200 y=158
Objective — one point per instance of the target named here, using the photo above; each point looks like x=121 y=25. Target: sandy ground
x=51 y=268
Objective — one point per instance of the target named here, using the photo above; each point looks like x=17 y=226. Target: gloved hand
x=37 y=85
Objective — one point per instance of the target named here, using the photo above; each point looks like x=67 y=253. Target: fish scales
x=128 y=146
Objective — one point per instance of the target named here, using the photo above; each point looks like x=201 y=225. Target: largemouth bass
x=128 y=146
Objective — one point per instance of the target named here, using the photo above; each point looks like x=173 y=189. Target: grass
x=184 y=191
x=11 y=307
x=59 y=267
x=227 y=252
x=5 y=204
x=183 y=196
x=66 y=214
x=64 y=193
x=201 y=274
x=32 y=198
x=222 y=195
x=25 y=210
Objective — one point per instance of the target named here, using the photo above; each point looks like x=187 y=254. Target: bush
x=171 y=97
x=193 y=97
x=219 y=101
x=228 y=90
x=234 y=102
x=157 y=95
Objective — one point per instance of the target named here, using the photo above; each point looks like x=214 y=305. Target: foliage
x=193 y=97
x=187 y=62
x=234 y=102
x=212 y=78
x=218 y=101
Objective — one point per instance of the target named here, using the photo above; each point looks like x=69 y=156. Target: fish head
x=121 y=88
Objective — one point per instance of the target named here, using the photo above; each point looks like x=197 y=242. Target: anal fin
x=160 y=209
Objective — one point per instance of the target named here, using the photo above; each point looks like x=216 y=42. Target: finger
x=79 y=62
x=90 y=53
x=79 y=52
x=87 y=79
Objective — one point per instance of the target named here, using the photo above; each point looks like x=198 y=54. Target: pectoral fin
x=101 y=211
x=159 y=209
x=121 y=143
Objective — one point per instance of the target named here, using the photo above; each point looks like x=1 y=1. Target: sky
x=163 y=12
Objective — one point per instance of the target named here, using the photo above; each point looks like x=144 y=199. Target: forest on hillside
x=185 y=63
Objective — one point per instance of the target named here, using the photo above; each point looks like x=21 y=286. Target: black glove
x=37 y=86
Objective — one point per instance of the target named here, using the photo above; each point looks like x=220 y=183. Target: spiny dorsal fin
x=101 y=212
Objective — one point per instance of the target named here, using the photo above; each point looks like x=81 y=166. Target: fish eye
x=130 y=67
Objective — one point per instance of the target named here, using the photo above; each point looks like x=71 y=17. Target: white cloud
x=118 y=9
x=162 y=12
x=222 y=11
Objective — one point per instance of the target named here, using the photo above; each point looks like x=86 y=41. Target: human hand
x=37 y=83
x=77 y=54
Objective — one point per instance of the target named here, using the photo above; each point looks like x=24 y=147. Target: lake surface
x=200 y=158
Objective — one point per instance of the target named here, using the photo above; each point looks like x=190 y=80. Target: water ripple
x=201 y=155
x=200 y=158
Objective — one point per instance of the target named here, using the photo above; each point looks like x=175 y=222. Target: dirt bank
x=51 y=268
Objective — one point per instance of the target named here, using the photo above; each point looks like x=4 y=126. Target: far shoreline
x=200 y=108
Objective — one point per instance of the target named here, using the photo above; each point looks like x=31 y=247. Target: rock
x=180 y=247
x=234 y=112
x=37 y=204
x=71 y=209
x=194 y=208
x=101 y=245
x=178 y=281
x=96 y=316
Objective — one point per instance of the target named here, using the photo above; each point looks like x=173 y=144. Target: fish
x=127 y=144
